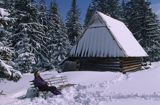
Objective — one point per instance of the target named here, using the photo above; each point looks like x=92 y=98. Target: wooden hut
x=107 y=44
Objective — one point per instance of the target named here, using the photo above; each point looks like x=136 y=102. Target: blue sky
x=155 y=1
x=64 y=6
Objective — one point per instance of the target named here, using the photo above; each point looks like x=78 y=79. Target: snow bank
x=9 y=72
x=98 y=88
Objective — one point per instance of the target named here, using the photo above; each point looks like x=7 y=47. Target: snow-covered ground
x=93 y=88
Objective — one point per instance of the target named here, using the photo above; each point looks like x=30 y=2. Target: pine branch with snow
x=7 y=70
x=74 y=28
x=29 y=36
x=59 y=44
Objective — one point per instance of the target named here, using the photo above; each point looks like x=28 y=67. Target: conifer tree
x=144 y=24
x=90 y=12
x=73 y=25
x=29 y=35
x=42 y=12
x=8 y=3
x=110 y=7
x=58 y=44
x=7 y=69
x=123 y=11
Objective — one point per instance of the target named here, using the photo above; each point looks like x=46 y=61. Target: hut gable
x=107 y=37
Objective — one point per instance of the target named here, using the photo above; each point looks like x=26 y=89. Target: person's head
x=36 y=73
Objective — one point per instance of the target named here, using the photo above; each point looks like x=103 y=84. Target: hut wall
x=100 y=64
x=110 y=64
x=130 y=64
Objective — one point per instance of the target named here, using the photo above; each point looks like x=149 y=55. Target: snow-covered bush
x=8 y=72
x=31 y=93
x=6 y=65
x=25 y=61
x=6 y=53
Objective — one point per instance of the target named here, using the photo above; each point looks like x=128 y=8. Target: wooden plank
x=99 y=60
x=99 y=64
x=131 y=58
x=133 y=63
x=57 y=82
x=100 y=67
x=130 y=69
x=91 y=63
x=130 y=61
x=109 y=68
x=132 y=66
x=55 y=78
x=108 y=65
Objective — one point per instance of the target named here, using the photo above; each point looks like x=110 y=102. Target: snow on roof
x=107 y=37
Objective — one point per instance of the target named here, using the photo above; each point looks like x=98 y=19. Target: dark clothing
x=54 y=90
x=43 y=86
x=38 y=82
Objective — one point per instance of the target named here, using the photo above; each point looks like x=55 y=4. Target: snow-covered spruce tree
x=8 y=3
x=74 y=28
x=42 y=12
x=28 y=37
x=90 y=12
x=144 y=24
x=123 y=10
x=42 y=15
x=7 y=70
x=58 y=45
x=110 y=7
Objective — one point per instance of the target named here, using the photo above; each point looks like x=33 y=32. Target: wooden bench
x=59 y=82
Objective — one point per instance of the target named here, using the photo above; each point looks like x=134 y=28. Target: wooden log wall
x=130 y=64
x=100 y=64
x=110 y=64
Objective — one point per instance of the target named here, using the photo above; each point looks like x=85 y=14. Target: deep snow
x=93 y=88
